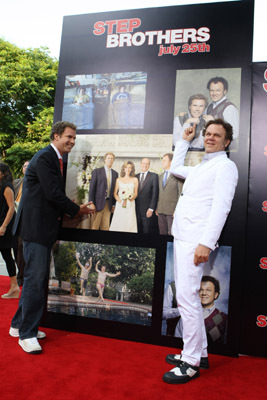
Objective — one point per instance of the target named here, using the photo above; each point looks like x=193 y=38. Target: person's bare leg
x=100 y=292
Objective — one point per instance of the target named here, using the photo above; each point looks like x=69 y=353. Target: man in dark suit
x=168 y=196
x=101 y=191
x=146 y=201
x=41 y=208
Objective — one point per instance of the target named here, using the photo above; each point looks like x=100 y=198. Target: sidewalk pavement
x=3 y=270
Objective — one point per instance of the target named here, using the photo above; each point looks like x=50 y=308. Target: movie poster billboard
x=131 y=81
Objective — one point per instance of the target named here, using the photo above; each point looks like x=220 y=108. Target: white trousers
x=187 y=281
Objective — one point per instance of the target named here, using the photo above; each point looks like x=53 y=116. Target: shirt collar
x=56 y=150
x=210 y=156
x=208 y=311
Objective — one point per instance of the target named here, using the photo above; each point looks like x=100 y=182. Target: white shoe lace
x=33 y=341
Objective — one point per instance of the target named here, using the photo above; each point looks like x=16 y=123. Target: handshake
x=87 y=208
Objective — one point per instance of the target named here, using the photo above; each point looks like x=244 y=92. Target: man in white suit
x=200 y=215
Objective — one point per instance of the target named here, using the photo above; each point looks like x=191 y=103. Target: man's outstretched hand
x=87 y=208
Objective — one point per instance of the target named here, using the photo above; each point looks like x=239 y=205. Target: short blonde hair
x=109 y=154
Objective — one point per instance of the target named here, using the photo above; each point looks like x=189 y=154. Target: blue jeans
x=33 y=296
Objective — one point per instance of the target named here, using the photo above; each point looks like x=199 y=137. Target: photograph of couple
x=127 y=196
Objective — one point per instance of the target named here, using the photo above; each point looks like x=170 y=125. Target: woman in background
x=125 y=193
x=7 y=240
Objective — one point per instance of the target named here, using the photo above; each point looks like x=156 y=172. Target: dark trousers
x=33 y=296
x=165 y=224
x=20 y=259
x=143 y=223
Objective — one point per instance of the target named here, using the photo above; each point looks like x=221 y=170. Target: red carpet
x=85 y=367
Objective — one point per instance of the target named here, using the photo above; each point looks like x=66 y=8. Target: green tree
x=65 y=262
x=141 y=288
x=37 y=137
x=129 y=261
x=27 y=87
x=135 y=264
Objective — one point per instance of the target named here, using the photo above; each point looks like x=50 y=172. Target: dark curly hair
x=59 y=127
x=7 y=174
x=216 y=283
x=218 y=79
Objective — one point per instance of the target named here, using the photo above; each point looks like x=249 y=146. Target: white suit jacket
x=206 y=198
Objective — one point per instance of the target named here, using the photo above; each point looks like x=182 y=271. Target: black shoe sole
x=178 y=380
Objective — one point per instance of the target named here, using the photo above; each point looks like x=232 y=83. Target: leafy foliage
x=37 y=137
x=129 y=261
x=142 y=288
x=27 y=88
x=65 y=262
x=135 y=264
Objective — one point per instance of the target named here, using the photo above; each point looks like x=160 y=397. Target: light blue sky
x=30 y=23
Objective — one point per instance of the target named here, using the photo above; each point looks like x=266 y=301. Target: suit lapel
x=113 y=174
x=104 y=178
x=113 y=179
x=161 y=179
x=147 y=178
x=168 y=179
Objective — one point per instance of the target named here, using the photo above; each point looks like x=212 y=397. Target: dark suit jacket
x=148 y=195
x=98 y=188
x=43 y=201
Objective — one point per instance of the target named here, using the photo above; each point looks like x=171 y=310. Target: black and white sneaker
x=181 y=374
x=175 y=359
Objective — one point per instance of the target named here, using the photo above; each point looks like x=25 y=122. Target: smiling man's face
x=217 y=91
x=214 y=139
x=66 y=141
